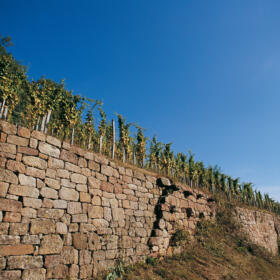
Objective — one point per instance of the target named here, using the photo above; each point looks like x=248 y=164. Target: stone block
x=38 y=135
x=7 y=127
x=24 y=191
x=35 y=162
x=61 y=228
x=107 y=187
x=28 y=151
x=80 y=241
x=15 y=166
x=50 y=213
x=79 y=218
x=8 y=239
x=61 y=271
x=93 y=183
x=85 y=271
x=74 y=208
x=23 y=132
x=68 y=194
x=42 y=226
x=51 y=244
x=62 y=173
x=60 y=204
x=10 y=205
x=95 y=212
x=78 y=178
x=35 y=172
x=53 y=141
x=49 y=150
x=49 y=193
x=69 y=156
x=16 y=140
x=26 y=180
x=25 y=262
x=18 y=228
x=33 y=143
x=3 y=189
x=55 y=163
x=34 y=274
x=8 y=176
x=29 y=212
x=85 y=197
x=16 y=250
x=52 y=183
x=31 y=239
x=8 y=148
x=10 y=274
x=12 y=217
x=69 y=255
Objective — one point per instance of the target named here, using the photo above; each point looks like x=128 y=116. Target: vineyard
x=48 y=106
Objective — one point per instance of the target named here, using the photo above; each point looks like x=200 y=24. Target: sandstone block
x=8 y=176
x=62 y=173
x=18 y=228
x=100 y=223
x=96 y=200
x=74 y=208
x=29 y=212
x=3 y=189
x=7 y=127
x=93 y=183
x=2 y=263
x=16 y=250
x=79 y=218
x=107 y=187
x=50 y=213
x=10 y=205
x=85 y=271
x=49 y=193
x=61 y=228
x=16 y=140
x=34 y=274
x=69 y=255
x=78 y=178
x=9 y=239
x=107 y=170
x=26 y=180
x=74 y=271
x=28 y=151
x=66 y=183
x=52 y=183
x=12 y=217
x=32 y=202
x=95 y=212
x=38 y=135
x=80 y=241
x=31 y=239
x=8 y=148
x=23 y=132
x=25 y=262
x=49 y=150
x=51 y=244
x=60 y=204
x=10 y=274
x=4 y=227
x=59 y=272
x=33 y=143
x=42 y=226
x=24 y=191
x=72 y=167
x=69 y=156
x=35 y=172
x=34 y=162
x=68 y=194
x=85 y=197
x=53 y=141
x=55 y=163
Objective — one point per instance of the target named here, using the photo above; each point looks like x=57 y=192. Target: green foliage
x=152 y=261
x=180 y=237
x=116 y=272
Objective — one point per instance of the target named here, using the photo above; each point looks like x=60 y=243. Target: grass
x=219 y=252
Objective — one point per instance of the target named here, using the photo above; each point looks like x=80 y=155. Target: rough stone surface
x=67 y=213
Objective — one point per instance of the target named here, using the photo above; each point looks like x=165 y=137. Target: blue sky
x=201 y=74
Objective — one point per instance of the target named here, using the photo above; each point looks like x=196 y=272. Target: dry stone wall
x=69 y=213
x=260 y=227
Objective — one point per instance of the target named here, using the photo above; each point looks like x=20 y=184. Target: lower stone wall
x=69 y=213
x=262 y=228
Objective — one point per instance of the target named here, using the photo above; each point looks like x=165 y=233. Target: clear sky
x=201 y=74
